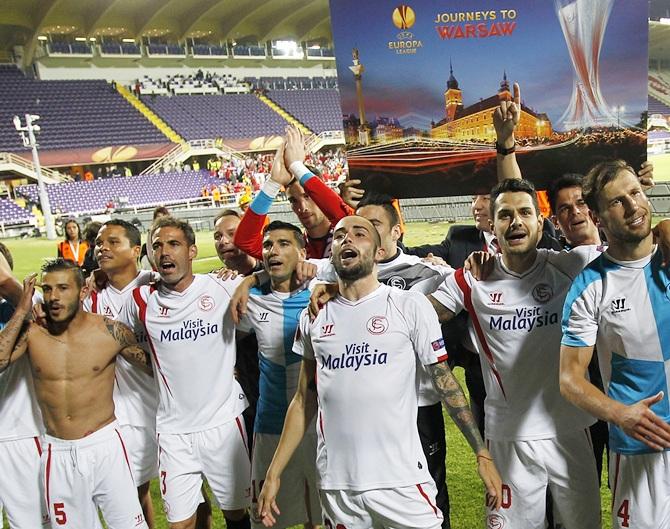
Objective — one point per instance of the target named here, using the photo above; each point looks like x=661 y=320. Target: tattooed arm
x=128 y=346
x=451 y=393
x=14 y=337
x=443 y=313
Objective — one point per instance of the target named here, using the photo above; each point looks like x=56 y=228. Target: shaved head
x=355 y=220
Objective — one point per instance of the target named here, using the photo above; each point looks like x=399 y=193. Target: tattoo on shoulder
x=120 y=332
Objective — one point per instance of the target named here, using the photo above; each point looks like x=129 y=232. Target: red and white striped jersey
x=191 y=337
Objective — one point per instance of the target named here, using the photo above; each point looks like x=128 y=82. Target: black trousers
x=430 y=423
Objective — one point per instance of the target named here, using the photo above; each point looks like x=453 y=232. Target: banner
x=95 y=155
x=419 y=83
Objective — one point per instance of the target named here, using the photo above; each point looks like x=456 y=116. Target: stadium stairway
x=149 y=114
x=286 y=115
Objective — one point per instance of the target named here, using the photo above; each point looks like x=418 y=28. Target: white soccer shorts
x=83 y=474
x=20 y=483
x=142 y=451
x=564 y=464
x=640 y=486
x=411 y=507
x=219 y=454
x=297 y=481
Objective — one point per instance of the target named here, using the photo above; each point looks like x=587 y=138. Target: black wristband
x=502 y=150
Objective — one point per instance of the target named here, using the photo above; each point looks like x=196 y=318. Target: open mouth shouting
x=348 y=255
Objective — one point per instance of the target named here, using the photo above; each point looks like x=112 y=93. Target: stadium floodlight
x=28 y=137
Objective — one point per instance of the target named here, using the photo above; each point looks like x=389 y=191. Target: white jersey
x=20 y=415
x=515 y=324
x=407 y=272
x=273 y=316
x=191 y=337
x=623 y=308
x=366 y=367
x=135 y=392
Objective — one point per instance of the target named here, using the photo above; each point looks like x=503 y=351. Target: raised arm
x=328 y=201
x=14 y=337
x=300 y=413
x=452 y=395
x=636 y=420
x=505 y=119
x=128 y=346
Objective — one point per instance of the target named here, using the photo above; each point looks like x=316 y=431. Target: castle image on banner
x=476 y=121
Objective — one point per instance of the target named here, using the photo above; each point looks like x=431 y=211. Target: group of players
x=107 y=387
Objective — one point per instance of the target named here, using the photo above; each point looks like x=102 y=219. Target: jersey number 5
x=59 y=513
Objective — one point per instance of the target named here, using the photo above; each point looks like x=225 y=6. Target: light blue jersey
x=623 y=308
x=274 y=317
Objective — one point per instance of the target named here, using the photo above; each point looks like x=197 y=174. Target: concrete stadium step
x=149 y=114
x=285 y=114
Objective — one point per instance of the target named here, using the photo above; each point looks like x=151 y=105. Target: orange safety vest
x=65 y=251
x=543 y=202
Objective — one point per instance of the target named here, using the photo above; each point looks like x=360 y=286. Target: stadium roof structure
x=215 y=20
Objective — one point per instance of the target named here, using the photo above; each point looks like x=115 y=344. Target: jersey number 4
x=623 y=513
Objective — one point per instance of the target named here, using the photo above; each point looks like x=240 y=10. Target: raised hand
x=26 y=302
x=506 y=117
x=351 y=193
x=646 y=174
x=294 y=151
x=279 y=172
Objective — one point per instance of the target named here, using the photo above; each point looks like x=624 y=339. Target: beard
x=67 y=315
x=361 y=269
x=631 y=237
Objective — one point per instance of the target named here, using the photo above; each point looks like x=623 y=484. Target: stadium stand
x=135 y=191
x=11 y=213
x=657 y=107
x=74 y=114
x=213 y=116
x=122 y=48
x=208 y=50
x=318 y=109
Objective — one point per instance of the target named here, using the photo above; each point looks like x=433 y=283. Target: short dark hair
x=132 y=233
x=565 y=181
x=161 y=211
x=374 y=198
x=59 y=265
x=173 y=222
x=7 y=255
x=281 y=225
x=91 y=230
x=598 y=177
x=226 y=213
x=513 y=185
